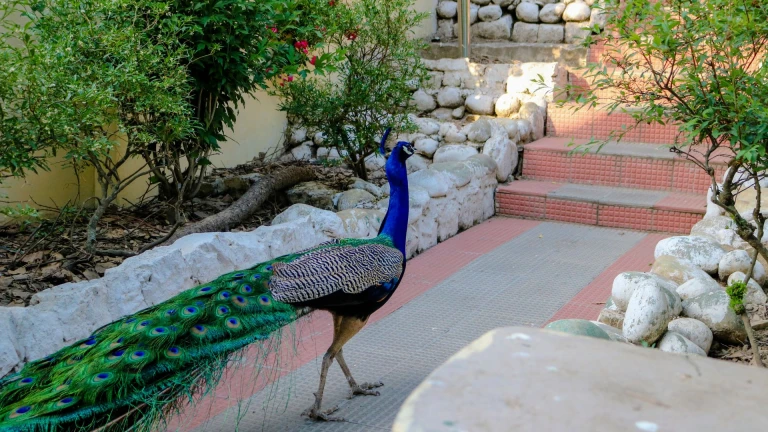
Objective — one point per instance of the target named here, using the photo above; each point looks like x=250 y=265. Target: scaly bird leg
x=362 y=389
x=343 y=330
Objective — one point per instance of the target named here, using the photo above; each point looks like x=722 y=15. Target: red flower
x=352 y=36
x=290 y=78
x=269 y=70
x=274 y=29
x=313 y=60
x=331 y=3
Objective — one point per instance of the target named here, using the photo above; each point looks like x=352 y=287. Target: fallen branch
x=244 y=207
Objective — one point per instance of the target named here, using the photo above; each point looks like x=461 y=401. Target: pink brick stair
x=634 y=186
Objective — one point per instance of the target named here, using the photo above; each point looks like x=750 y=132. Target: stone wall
x=526 y=21
x=445 y=198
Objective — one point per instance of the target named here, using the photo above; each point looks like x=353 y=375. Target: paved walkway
x=503 y=272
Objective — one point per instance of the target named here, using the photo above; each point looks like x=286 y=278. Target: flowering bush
x=378 y=65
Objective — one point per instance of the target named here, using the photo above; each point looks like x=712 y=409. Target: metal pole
x=464 y=28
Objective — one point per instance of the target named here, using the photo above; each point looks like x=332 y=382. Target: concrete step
x=504 y=51
x=646 y=210
x=629 y=165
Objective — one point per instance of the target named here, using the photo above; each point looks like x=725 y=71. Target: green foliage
x=736 y=292
x=377 y=69
x=235 y=47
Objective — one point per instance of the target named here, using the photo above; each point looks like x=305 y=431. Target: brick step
x=646 y=210
x=641 y=166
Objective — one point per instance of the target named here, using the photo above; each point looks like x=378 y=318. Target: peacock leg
x=343 y=330
x=362 y=389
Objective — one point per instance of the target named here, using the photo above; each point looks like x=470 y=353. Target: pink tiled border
x=313 y=334
x=590 y=300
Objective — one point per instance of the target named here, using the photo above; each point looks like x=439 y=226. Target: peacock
x=128 y=375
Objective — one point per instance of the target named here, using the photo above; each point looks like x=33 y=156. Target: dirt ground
x=50 y=252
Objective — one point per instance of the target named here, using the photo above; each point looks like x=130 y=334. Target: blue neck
x=395 y=224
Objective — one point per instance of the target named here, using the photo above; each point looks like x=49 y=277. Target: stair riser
x=621 y=171
x=605 y=215
x=597 y=124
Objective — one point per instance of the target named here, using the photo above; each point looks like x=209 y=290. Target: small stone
x=697 y=286
x=527 y=12
x=531 y=112
x=577 y=11
x=700 y=251
x=693 y=330
x=504 y=152
x=578 y=327
x=458 y=113
x=445 y=29
x=575 y=32
x=442 y=114
x=298 y=136
x=506 y=105
x=740 y=261
x=453 y=153
x=423 y=102
x=551 y=33
x=598 y=18
x=713 y=310
x=479 y=131
x=302 y=152
x=427 y=146
x=499 y=29
x=319 y=138
x=452 y=79
x=479 y=104
x=613 y=318
x=361 y=223
x=450 y=97
x=374 y=190
x=755 y=294
x=673 y=342
x=677 y=270
x=552 y=13
x=525 y=32
x=416 y=163
x=481 y=2
x=625 y=284
x=489 y=13
x=427 y=126
x=447 y=9
x=648 y=313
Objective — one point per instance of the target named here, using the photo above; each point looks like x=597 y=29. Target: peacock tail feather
x=132 y=373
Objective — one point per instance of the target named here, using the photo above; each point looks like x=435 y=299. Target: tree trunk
x=248 y=203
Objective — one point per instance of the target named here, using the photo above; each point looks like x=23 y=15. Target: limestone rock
x=740 y=261
x=427 y=126
x=721 y=229
x=453 y=153
x=481 y=2
x=598 y=18
x=434 y=182
x=611 y=317
x=677 y=270
x=423 y=102
x=697 y=286
x=673 y=342
x=531 y=112
x=499 y=29
x=479 y=104
x=489 y=13
x=577 y=11
x=479 y=131
x=447 y=9
x=442 y=114
x=458 y=113
x=693 y=330
x=328 y=153
x=648 y=313
x=614 y=333
x=525 y=32
x=625 y=284
x=302 y=152
x=450 y=97
x=712 y=309
x=446 y=65
x=366 y=186
x=312 y=193
x=575 y=32
x=578 y=327
x=504 y=152
x=506 y=105
x=551 y=33
x=755 y=294
x=319 y=138
x=524 y=130
x=527 y=12
x=509 y=125
x=297 y=136
x=445 y=29
x=354 y=198
x=552 y=13
x=427 y=146
x=361 y=223
x=521 y=78
x=375 y=162
x=700 y=251
x=416 y=163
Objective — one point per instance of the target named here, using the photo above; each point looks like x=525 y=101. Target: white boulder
x=673 y=342
x=740 y=261
x=648 y=313
x=702 y=252
x=693 y=330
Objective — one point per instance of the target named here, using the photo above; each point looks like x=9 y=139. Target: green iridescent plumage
x=132 y=372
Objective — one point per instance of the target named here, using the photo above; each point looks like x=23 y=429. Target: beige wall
x=259 y=128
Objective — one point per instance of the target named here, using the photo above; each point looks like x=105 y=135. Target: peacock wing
x=349 y=267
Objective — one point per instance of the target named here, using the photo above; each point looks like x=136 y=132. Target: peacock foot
x=314 y=414
x=365 y=389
